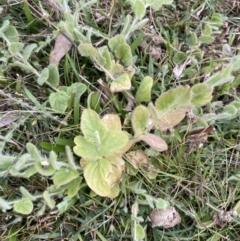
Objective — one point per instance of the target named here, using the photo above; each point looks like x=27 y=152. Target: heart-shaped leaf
x=116 y=41
x=139 y=9
x=15 y=47
x=23 y=206
x=77 y=88
x=123 y=52
x=59 y=101
x=73 y=187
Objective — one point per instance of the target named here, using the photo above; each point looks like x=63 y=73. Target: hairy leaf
x=59 y=101
x=15 y=47
x=140 y=118
x=139 y=9
x=43 y=76
x=87 y=50
x=177 y=99
x=53 y=78
x=144 y=90
x=23 y=206
x=201 y=94
x=64 y=176
x=121 y=83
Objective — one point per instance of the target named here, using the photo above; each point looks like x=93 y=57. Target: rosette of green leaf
x=98 y=140
x=171 y=107
x=102 y=140
x=201 y=94
x=23 y=206
x=144 y=90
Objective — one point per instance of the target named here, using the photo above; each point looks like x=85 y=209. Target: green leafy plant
x=63 y=96
x=132 y=130
x=65 y=174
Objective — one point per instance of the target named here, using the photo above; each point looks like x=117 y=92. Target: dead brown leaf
x=166 y=218
x=224 y=217
x=137 y=158
x=156 y=142
x=61 y=47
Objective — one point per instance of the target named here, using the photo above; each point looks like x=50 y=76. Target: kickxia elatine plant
x=104 y=143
